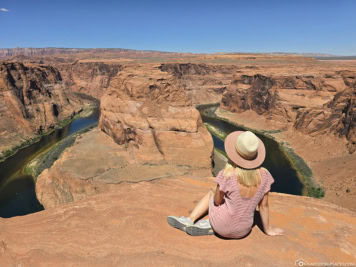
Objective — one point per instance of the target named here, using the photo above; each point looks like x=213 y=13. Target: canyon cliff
x=150 y=130
x=108 y=195
x=268 y=96
x=312 y=113
x=203 y=83
x=33 y=100
x=147 y=108
x=150 y=112
x=91 y=78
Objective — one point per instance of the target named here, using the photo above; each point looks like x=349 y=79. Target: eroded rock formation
x=203 y=83
x=150 y=112
x=305 y=107
x=150 y=131
x=337 y=116
x=91 y=78
x=258 y=93
x=259 y=96
x=33 y=100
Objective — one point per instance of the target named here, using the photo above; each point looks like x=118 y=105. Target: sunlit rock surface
x=149 y=112
x=128 y=227
x=33 y=100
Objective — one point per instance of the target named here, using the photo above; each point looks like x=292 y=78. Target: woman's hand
x=274 y=231
x=218 y=196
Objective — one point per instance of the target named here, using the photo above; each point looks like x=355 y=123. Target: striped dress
x=234 y=218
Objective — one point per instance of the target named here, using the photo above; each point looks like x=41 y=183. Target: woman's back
x=234 y=218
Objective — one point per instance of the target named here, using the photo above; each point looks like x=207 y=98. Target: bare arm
x=219 y=196
x=264 y=212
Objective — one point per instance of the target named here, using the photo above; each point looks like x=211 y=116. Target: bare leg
x=202 y=207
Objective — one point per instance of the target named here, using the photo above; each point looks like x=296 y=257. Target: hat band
x=244 y=155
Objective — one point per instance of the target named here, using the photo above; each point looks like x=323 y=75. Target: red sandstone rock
x=259 y=97
x=32 y=101
x=338 y=116
x=128 y=227
x=150 y=112
x=203 y=83
x=258 y=93
x=88 y=78
x=152 y=131
x=96 y=164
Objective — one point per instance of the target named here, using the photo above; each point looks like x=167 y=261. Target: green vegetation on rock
x=46 y=159
x=304 y=171
x=10 y=152
x=13 y=150
x=314 y=190
x=215 y=131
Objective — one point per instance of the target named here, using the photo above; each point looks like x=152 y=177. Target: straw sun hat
x=245 y=149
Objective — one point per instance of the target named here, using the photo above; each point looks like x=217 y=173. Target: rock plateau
x=127 y=227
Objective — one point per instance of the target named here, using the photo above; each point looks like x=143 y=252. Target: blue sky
x=324 y=26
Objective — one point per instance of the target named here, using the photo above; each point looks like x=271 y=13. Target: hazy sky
x=324 y=26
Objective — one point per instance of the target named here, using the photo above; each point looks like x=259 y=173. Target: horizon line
x=162 y=51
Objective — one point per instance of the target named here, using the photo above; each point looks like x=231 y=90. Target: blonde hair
x=244 y=177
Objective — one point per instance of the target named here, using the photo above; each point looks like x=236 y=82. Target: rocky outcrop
x=128 y=227
x=149 y=111
x=258 y=93
x=203 y=83
x=96 y=164
x=337 y=116
x=282 y=96
x=91 y=78
x=331 y=82
x=150 y=131
x=33 y=100
x=260 y=97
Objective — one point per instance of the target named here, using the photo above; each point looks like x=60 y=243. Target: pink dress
x=234 y=218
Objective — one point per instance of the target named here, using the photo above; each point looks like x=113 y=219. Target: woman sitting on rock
x=241 y=186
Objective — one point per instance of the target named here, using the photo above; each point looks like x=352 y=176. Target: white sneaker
x=202 y=227
x=179 y=222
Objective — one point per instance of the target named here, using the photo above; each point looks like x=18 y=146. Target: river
x=17 y=189
x=285 y=175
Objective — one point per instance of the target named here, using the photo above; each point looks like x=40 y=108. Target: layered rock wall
x=310 y=104
x=337 y=116
x=92 y=78
x=203 y=83
x=258 y=93
x=149 y=111
x=149 y=131
x=33 y=100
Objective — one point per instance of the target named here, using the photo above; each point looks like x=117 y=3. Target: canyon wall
x=203 y=83
x=33 y=100
x=337 y=116
x=151 y=156
x=91 y=78
x=314 y=105
x=149 y=130
x=149 y=111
